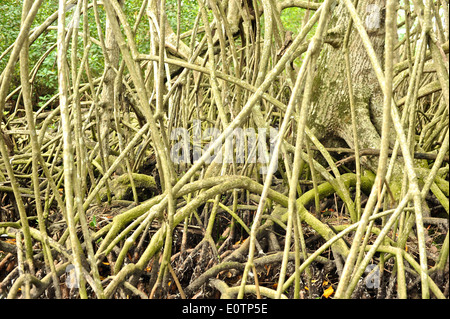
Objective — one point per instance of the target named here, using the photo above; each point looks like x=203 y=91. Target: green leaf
x=93 y=223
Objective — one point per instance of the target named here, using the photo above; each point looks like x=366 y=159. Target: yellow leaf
x=328 y=292
x=306 y=287
x=325 y=283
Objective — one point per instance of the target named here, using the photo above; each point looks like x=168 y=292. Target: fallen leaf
x=328 y=292
x=268 y=269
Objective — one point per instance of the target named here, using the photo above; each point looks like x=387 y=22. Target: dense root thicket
x=119 y=185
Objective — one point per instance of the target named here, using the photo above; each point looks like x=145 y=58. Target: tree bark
x=330 y=115
x=106 y=109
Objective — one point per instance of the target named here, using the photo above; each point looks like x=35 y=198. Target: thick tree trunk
x=107 y=95
x=330 y=115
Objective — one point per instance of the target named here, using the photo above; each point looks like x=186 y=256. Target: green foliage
x=45 y=83
x=292 y=19
x=188 y=13
x=9 y=28
x=46 y=77
x=9 y=24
